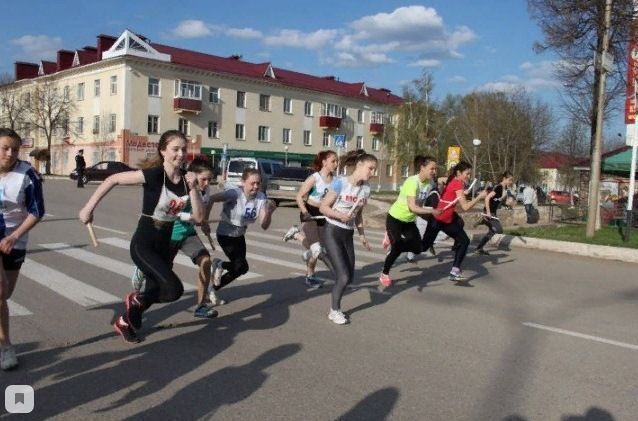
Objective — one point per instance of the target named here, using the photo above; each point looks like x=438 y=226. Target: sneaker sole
x=119 y=331
x=210 y=315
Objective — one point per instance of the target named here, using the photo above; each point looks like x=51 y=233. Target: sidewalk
x=377 y=210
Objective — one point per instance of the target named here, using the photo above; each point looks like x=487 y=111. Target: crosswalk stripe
x=66 y=286
x=180 y=259
x=16 y=309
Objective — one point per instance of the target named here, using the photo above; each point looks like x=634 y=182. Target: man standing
x=80 y=164
x=529 y=200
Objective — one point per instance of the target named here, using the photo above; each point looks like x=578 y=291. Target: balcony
x=327 y=122
x=376 y=128
x=187 y=105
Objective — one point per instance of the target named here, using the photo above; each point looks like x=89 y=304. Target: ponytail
x=356 y=156
x=317 y=163
x=458 y=168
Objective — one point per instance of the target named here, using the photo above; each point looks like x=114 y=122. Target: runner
x=21 y=208
x=342 y=207
x=400 y=223
x=166 y=192
x=493 y=201
x=313 y=189
x=449 y=221
x=242 y=206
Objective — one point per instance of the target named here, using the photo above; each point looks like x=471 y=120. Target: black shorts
x=313 y=211
x=13 y=260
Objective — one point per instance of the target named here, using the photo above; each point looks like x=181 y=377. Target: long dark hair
x=200 y=164
x=166 y=137
x=505 y=175
x=356 y=156
x=317 y=163
x=458 y=168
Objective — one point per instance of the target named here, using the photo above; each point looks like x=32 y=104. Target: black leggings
x=454 y=230
x=235 y=249
x=340 y=248
x=150 y=250
x=404 y=236
x=493 y=227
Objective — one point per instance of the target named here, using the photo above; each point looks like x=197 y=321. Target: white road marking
x=582 y=336
x=16 y=309
x=111 y=230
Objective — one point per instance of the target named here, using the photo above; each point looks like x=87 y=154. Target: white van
x=236 y=166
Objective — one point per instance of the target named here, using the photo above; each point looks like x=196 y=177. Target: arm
x=326 y=208
x=465 y=204
x=197 y=206
x=265 y=214
x=420 y=210
x=489 y=196
x=7 y=243
x=302 y=194
x=123 y=178
x=358 y=222
x=205 y=226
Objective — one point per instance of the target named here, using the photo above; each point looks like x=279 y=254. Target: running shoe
x=8 y=358
x=134 y=310
x=216 y=271
x=337 y=317
x=290 y=234
x=125 y=331
x=138 y=279
x=457 y=276
x=410 y=257
x=205 y=312
x=481 y=252
x=386 y=241
x=313 y=282
x=385 y=281
x=215 y=299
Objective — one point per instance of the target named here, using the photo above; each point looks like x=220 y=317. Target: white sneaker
x=337 y=317
x=8 y=358
x=214 y=299
x=216 y=271
x=138 y=279
x=290 y=234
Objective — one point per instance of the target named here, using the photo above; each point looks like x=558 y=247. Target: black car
x=101 y=170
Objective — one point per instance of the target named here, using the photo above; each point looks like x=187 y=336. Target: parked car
x=562 y=197
x=285 y=183
x=236 y=166
x=101 y=170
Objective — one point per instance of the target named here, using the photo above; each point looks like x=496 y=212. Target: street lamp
x=286 y=155
x=476 y=143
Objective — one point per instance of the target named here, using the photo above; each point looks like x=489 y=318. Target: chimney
x=104 y=42
x=65 y=59
x=25 y=70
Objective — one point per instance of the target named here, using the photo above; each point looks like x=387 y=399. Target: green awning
x=618 y=163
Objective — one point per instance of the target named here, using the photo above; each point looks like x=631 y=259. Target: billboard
x=453 y=156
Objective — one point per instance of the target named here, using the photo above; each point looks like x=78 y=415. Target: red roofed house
x=552 y=166
x=128 y=90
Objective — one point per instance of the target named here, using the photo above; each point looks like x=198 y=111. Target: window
x=182 y=126
x=96 y=87
x=307 y=137
x=241 y=101
x=376 y=144
x=212 y=130
x=360 y=142
x=66 y=92
x=112 y=123
x=264 y=102
x=389 y=170
x=360 y=117
x=64 y=127
x=80 y=93
x=188 y=89
x=153 y=87
x=377 y=117
x=213 y=95
x=287 y=105
x=332 y=110
x=263 y=134
x=80 y=125
x=326 y=140
x=239 y=132
x=113 y=85
x=285 y=137
x=344 y=112
x=405 y=171
x=153 y=124
x=26 y=98
x=96 y=124
x=307 y=108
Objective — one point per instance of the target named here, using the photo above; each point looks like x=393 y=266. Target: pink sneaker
x=385 y=280
x=386 y=241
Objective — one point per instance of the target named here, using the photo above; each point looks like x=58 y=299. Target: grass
x=606 y=236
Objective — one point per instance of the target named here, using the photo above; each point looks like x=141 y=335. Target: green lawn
x=606 y=236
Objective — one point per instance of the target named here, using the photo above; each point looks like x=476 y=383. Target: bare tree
x=573 y=144
x=13 y=104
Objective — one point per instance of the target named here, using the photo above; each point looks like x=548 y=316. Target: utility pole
x=594 y=181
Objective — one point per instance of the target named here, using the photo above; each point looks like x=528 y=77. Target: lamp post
x=476 y=143
x=286 y=155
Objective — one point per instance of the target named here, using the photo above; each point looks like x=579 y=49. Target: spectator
x=80 y=165
x=529 y=200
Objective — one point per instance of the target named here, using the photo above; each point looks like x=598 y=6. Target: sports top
x=350 y=199
x=163 y=200
x=319 y=189
x=447 y=199
x=412 y=187
x=239 y=211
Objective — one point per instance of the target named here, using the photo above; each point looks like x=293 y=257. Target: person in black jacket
x=80 y=165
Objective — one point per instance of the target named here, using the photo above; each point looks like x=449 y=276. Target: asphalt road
x=539 y=336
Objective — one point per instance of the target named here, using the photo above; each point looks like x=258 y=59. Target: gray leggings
x=340 y=248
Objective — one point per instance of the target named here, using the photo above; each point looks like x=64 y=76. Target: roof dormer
x=130 y=44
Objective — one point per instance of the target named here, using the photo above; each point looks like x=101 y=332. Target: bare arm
x=303 y=192
x=7 y=243
x=123 y=178
x=265 y=215
x=465 y=204
x=488 y=197
x=326 y=208
x=420 y=210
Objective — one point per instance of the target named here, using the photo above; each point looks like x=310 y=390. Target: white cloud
x=457 y=79
x=192 y=28
x=245 y=33
x=426 y=63
x=533 y=77
x=39 y=46
x=299 y=39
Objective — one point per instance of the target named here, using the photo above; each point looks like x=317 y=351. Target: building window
x=287 y=105
x=263 y=134
x=153 y=124
x=264 y=102
x=80 y=125
x=377 y=117
x=326 y=140
x=80 y=93
x=113 y=85
x=66 y=92
x=213 y=95
x=360 y=142
x=376 y=144
x=182 y=126
x=212 y=130
x=96 y=124
x=307 y=108
x=153 y=87
x=389 y=170
x=307 y=138
x=112 y=123
x=96 y=87
x=241 y=101
x=360 y=117
x=286 y=136
x=344 y=112
x=332 y=110
x=188 y=89
x=239 y=132
x=405 y=171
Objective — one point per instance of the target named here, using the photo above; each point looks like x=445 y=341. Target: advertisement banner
x=453 y=156
x=632 y=73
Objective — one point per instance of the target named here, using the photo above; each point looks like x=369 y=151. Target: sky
x=467 y=45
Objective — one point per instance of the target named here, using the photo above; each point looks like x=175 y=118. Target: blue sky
x=467 y=45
